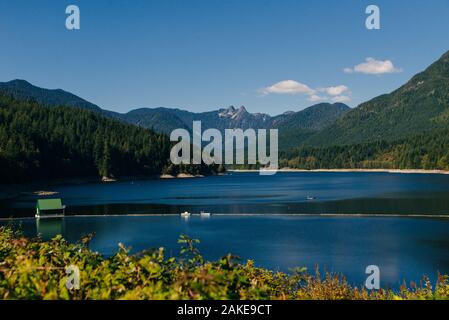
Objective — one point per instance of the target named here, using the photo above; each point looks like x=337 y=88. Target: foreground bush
x=35 y=269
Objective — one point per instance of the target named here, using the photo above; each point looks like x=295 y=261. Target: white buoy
x=185 y=214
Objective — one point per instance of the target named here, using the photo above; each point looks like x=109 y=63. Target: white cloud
x=342 y=99
x=315 y=98
x=373 y=66
x=288 y=87
x=334 y=91
x=339 y=93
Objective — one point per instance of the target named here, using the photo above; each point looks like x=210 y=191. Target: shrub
x=35 y=269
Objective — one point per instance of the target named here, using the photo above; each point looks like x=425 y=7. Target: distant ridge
x=421 y=105
x=23 y=90
x=295 y=126
x=406 y=129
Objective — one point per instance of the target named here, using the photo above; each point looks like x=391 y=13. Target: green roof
x=49 y=204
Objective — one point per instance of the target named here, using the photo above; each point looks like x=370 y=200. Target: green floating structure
x=49 y=208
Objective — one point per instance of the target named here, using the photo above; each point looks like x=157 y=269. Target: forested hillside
x=406 y=129
x=60 y=142
x=23 y=90
x=296 y=127
x=421 y=105
x=424 y=151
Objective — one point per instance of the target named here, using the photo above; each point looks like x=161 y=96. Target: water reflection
x=48 y=228
x=284 y=193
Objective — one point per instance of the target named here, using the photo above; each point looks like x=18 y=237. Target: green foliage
x=25 y=91
x=40 y=142
x=421 y=105
x=406 y=129
x=190 y=251
x=295 y=128
x=35 y=269
x=426 y=151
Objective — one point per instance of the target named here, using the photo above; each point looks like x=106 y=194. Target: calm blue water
x=404 y=248
x=352 y=193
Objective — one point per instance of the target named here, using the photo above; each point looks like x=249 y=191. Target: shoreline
x=12 y=191
x=291 y=215
x=401 y=171
x=45 y=187
x=181 y=176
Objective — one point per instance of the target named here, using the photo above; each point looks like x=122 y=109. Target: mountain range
x=294 y=126
x=23 y=90
x=419 y=106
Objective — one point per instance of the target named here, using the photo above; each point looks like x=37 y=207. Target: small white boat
x=205 y=214
x=185 y=214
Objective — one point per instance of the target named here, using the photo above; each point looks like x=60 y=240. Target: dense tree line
x=424 y=151
x=38 y=142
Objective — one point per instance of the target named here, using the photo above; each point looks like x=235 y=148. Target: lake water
x=282 y=230
x=283 y=193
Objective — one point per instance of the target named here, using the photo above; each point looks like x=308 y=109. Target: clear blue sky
x=201 y=55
